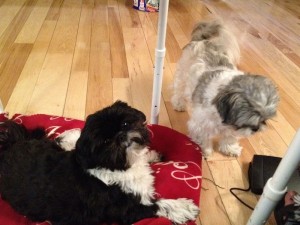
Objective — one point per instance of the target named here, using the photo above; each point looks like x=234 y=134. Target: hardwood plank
x=76 y=100
x=55 y=73
x=130 y=16
x=150 y=33
x=112 y=3
x=117 y=50
x=175 y=28
x=292 y=7
x=10 y=34
x=8 y=11
x=196 y=9
x=30 y=73
x=11 y=69
x=54 y=12
x=286 y=132
x=122 y=90
x=210 y=200
x=284 y=49
x=183 y=17
x=290 y=110
x=246 y=156
x=267 y=23
x=99 y=93
x=287 y=20
x=268 y=142
x=231 y=176
x=140 y=68
x=31 y=28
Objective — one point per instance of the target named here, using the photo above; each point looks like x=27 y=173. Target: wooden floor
x=71 y=58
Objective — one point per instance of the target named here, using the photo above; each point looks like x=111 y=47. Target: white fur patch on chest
x=137 y=180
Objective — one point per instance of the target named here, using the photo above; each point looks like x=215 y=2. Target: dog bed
x=179 y=175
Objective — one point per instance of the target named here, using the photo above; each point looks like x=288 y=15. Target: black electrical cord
x=231 y=191
x=240 y=189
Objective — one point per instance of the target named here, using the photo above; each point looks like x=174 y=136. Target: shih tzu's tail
x=12 y=132
x=218 y=35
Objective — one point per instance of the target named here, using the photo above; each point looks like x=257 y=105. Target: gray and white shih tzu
x=222 y=101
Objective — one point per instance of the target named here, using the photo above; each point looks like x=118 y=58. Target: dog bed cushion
x=177 y=176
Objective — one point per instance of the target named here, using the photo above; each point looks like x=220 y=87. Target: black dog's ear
x=119 y=103
x=84 y=151
x=87 y=143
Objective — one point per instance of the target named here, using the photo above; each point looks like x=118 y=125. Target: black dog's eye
x=125 y=125
x=106 y=141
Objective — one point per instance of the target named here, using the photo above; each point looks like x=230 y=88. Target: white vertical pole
x=276 y=186
x=160 y=52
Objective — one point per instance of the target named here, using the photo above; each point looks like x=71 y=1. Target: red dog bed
x=178 y=176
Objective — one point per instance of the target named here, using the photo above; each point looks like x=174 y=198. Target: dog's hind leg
x=181 y=77
x=178 y=98
x=201 y=136
x=67 y=140
x=204 y=141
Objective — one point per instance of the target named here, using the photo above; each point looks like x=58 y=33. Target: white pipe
x=160 y=52
x=275 y=188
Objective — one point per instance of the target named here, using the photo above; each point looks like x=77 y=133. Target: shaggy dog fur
x=222 y=101
x=105 y=179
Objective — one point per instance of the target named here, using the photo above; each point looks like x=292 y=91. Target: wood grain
x=55 y=73
x=34 y=22
x=116 y=41
x=11 y=69
x=76 y=100
x=11 y=32
x=30 y=73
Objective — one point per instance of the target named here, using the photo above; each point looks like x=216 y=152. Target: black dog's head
x=108 y=133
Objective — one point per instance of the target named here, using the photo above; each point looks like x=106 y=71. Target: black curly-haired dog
x=105 y=179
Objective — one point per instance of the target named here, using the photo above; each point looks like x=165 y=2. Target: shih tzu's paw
x=206 y=146
x=206 y=152
x=67 y=140
x=232 y=149
x=153 y=156
x=179 y=211
x=178 y=104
